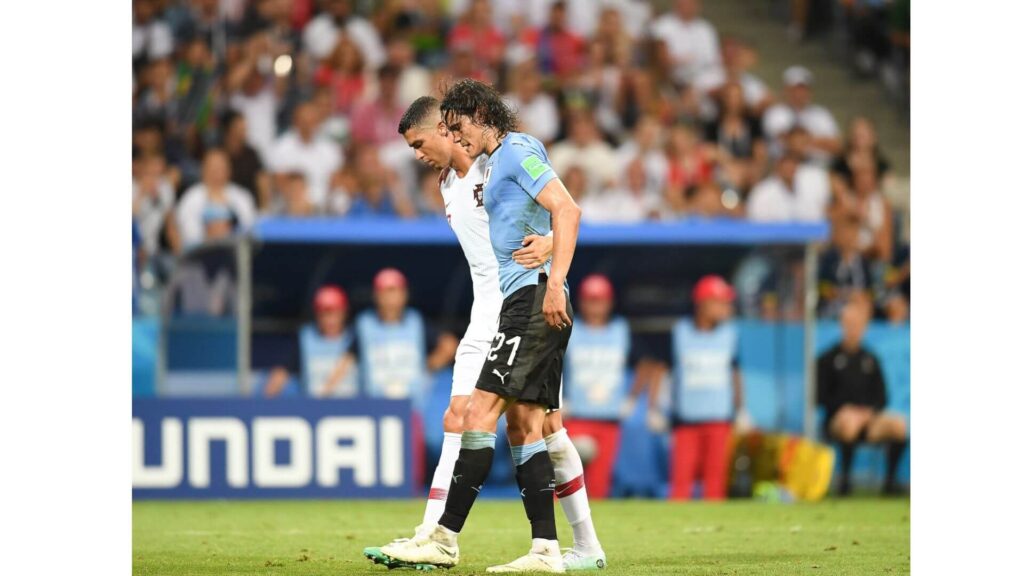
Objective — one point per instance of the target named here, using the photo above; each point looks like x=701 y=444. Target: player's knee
x=552 y=423
x=453 y=420
x=478 y=417
x=520 y=433
x=523 y=427
x=516 y=435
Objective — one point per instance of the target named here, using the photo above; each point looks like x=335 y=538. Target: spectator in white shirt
x=585 y=149
x=810 y=175
x=634 y=200
x=737 y=59
x=785 y=196
x=874 y=211
x=218 y=223
x=647 y=143
x=322 y=33
x=255 y=94
x=303 y=149
x=799 y=110
x=508 y=14
x=537 y=111
x=152 y=200
x=413 y=80
x=213 y=195
x=294 y=201
x=687 y=44
x=152 y=38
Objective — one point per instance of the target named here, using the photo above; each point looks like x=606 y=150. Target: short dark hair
x=229 y=118
x=479 y=101
x=416 y=113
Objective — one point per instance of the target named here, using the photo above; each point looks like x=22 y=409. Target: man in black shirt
x=852 y=390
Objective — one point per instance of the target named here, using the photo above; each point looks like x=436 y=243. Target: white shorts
x=469 y=361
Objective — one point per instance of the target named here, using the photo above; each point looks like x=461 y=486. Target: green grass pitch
x=857 y=536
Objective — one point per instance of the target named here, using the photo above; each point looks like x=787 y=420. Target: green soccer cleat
x=575 y=561
x=378 y=557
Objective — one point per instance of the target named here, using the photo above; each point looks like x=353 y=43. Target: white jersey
x=464 y=207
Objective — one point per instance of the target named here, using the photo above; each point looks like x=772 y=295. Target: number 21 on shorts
x=500 y=341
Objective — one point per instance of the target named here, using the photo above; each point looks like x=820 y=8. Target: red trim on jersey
x=443 y=176
x=570 y=487
x=437 y=494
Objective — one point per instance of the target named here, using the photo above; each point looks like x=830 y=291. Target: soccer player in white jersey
x=462 y=189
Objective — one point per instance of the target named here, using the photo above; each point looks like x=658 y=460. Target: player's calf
x=455 y=414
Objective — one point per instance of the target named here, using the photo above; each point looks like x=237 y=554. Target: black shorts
x=525 y=359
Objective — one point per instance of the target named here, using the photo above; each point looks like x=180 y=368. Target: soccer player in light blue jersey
x=522 y=374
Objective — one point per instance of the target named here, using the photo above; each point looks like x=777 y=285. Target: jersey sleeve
x=528 y=165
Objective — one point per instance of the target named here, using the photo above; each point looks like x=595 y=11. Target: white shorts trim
x=561 y=390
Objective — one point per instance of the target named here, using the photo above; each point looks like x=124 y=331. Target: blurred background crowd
x=244 y=109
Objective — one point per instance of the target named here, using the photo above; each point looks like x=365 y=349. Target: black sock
x=846 y=452
x=893 y=455
x=536 y=478
x=471 y=469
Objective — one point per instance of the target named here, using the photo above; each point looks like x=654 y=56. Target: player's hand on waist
x=535 y=252
x=555 y=307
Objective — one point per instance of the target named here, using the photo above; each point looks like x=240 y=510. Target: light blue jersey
x=516 y=172
x=595 y=375
x=319 y=356
x=704 y=363
x=394 y=356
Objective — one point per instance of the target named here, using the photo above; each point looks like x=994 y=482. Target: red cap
x=597 y=287
x=713 y=287
x=330 y=297
x=389 y=278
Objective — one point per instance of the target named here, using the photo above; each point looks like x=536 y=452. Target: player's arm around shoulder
x=565 y=222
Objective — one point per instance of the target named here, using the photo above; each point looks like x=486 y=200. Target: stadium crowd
x=247 y=109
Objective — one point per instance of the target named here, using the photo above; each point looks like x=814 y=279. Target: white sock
x=572 y=492
x=442 y=478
